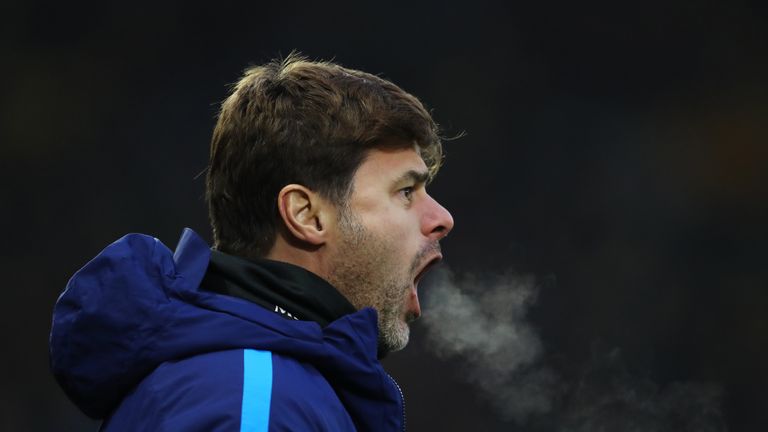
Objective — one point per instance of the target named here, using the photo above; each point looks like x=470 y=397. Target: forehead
x=388 y=164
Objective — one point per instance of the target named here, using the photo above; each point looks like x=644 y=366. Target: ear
x=303 y=212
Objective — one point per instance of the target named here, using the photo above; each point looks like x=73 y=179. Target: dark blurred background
x=616 y=151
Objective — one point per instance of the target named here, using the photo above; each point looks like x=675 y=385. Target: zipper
x=402 y=397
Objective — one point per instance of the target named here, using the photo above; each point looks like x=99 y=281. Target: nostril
x=442 y=230
x=447 y=225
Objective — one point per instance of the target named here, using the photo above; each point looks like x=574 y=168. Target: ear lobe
x=301 y=211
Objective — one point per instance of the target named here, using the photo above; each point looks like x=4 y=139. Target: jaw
x=394 y=332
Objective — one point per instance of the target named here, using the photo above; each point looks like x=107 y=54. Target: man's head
x=389 y=235
x=309 y=163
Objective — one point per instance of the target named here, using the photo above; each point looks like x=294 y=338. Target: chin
x=394 y=338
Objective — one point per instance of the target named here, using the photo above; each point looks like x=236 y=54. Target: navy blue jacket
x=136 y=342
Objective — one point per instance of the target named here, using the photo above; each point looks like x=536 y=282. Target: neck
x=314 y=260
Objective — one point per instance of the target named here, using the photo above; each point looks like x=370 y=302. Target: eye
x=407 y=193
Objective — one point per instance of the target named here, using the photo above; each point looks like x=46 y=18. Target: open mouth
x=431 y=263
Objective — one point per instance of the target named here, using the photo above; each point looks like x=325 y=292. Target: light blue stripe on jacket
x=257 y=391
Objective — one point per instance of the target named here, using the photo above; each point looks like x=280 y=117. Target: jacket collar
x=284 y=288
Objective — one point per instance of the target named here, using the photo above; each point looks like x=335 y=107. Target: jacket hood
x=137 y=305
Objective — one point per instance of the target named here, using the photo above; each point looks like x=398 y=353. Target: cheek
x=399 y=231
x=394 y=245
x=405 y=245
x=404 y=235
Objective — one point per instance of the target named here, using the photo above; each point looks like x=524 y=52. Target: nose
x=437 y=221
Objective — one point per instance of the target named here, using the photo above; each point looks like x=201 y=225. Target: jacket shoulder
x=199 y=393
x=303 y=399
x=234 y=390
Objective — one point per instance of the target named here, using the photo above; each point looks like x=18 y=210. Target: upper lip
x=431 y=262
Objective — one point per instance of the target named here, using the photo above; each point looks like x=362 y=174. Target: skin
x=375 y=249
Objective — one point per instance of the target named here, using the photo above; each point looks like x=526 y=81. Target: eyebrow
x=417 y=177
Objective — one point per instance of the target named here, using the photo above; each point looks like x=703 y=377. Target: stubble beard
x=366 y=272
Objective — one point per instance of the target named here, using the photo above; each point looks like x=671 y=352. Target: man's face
x=387 y=237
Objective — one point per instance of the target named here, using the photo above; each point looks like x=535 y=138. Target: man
x=322 y=229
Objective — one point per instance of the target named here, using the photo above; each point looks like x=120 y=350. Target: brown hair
x=306 y=122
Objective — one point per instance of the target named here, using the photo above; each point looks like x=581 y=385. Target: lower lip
x=414 y=306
